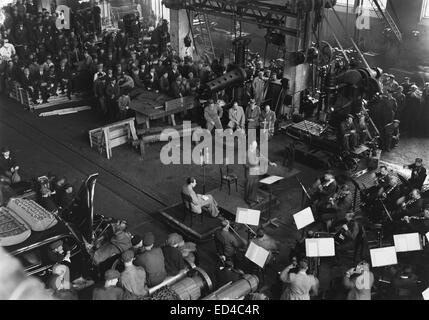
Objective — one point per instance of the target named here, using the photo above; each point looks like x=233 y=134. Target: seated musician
x=337 y=208
x=323 y=190
x=351 y=236
x=418 y=174
x=385 y=188
x=227 y=244
x=200 y=201
x=237 y=119
x=418 y=223
x=348 y=134
x=268 y=243
x=408 y=210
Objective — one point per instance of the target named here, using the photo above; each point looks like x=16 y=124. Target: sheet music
x=407 y=242
x=248 y=216
x=425 y=294
x=383 y=257
x=271 y=179
x=303 y=218
x=257 y=254
x=321 y=247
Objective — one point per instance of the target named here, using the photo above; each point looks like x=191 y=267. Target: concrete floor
x=133 y=189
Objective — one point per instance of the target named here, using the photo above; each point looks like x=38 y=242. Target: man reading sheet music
x=200 y=201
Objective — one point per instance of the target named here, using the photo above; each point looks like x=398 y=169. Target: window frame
x=342 y=7
x=424 y=14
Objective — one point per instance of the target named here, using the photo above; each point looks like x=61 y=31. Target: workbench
x=151 y=106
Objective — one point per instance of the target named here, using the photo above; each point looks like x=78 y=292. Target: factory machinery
x=193 y=283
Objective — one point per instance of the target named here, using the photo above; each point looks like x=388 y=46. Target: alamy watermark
x=203 y=148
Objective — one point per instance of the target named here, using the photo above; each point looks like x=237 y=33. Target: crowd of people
x=403 y=103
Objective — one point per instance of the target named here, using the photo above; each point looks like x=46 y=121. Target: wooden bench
x=116 y=134
x=15 y=91
x=153 y=135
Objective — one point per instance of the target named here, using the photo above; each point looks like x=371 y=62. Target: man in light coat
x=199 y=201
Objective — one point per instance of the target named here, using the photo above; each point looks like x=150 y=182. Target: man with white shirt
x=299 y=285
x=359 y=281
x=7 y=50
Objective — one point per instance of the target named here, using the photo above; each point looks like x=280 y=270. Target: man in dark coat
x=418 y=174
x=152 y=260
x=109 y=291
x=174 y=261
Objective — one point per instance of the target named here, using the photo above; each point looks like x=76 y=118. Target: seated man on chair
x=200 y=201
x=237 y=119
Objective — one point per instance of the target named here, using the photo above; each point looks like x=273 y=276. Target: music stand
x=386 y=211
x=304 y=191
x=269 y=181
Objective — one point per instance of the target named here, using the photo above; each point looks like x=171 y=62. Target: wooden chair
x=228 y=178
x=187 y=208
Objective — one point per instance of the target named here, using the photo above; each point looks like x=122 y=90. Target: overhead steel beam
x=254 y=12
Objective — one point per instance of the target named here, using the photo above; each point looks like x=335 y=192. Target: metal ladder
x=205 y=42
x=385 y=15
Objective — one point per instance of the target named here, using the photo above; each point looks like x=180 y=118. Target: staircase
x=389 y=22
x=201 y=24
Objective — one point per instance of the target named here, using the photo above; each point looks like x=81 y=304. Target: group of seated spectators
x=117 y=65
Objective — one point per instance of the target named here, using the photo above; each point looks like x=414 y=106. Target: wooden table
x=151 y=106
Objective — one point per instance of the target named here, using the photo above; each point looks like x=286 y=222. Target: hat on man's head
x=174 y=239
x=5 y=149
x=111 y=274
x=419 y=160
x=55 y=244
x=127 y=256
x=350 y=116
x=136 y=240
x=397 y=121
x=148 y=239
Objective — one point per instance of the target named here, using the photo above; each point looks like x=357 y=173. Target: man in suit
x=237 y=119
x=199 y=201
